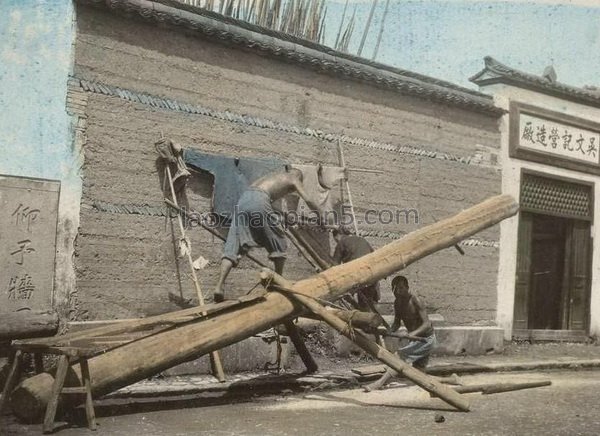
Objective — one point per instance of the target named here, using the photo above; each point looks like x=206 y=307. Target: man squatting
x=409 y=310
x=256 y=224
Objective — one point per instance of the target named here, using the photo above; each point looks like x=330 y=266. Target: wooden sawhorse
x=67 y=356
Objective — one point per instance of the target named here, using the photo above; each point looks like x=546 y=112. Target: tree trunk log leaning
x=146 y=357
x=362 y=340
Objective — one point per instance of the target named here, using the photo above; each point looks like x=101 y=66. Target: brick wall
x=125 y=258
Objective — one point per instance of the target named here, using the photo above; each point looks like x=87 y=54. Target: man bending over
x=256 y=224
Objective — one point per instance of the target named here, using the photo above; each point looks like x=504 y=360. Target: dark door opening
x=547 y=266
x=552 y=283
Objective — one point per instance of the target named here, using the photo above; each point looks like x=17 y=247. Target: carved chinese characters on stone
x=28 y=218
x=559 y=139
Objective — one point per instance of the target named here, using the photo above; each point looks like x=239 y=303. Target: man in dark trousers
x=256 y=224
x=409 y=309
x=350 y=247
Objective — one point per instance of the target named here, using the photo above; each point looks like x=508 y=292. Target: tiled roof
x=296 y=50
x=495 y=72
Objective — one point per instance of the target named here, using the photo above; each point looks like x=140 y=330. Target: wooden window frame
x=590 y=184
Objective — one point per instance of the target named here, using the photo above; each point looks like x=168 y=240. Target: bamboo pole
x=337 y=38
x=301 y=250
x=322 y=263
x=379 y=36
x=148 y=356
x=347 y=184
x=215 y=359
x=367 y=26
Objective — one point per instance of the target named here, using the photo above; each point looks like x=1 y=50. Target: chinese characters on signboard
x=28 y=217
x=560 y=139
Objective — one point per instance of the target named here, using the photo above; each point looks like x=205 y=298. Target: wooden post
x=362 y=340
x=307 y=359
x=347 y=184
x=215 y=359
x=148 y=356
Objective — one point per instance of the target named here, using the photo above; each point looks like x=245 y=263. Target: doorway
x=547 y=266
x=552 y=284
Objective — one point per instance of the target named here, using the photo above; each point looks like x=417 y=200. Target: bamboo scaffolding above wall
x=302 y=18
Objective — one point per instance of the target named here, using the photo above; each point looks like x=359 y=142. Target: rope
x=348 y=329
x=282 y=289
x=253 y=288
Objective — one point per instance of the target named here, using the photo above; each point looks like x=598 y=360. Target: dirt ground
x=567 y=407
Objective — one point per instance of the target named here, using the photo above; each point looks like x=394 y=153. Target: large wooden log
x=146 y=357
x=28 y=324
x=362 y=340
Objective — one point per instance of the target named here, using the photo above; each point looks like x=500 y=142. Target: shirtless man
x=409 y=310
x=256 y=224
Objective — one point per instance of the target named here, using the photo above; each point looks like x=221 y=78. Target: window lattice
x=555 y=197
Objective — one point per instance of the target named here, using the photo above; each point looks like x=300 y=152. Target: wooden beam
x=362 y=340
x=140 y=324
x=307 y=359
x=496 y=388
x=28 y=324
x=322 y=263
x=143 y=358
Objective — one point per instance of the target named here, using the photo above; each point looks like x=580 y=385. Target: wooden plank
x=369 y=370
x=496 y=388
x=322 y=263
x=171 y=318
x=301 y=249
x=28 y=324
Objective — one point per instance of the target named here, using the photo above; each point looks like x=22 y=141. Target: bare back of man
x=272 y=187
x=278 y=185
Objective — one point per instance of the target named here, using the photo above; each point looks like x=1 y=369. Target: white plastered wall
x=511 y=181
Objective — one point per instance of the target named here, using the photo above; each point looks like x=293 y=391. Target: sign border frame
x=515 y=150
